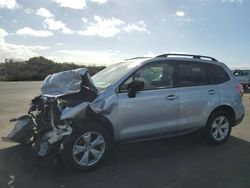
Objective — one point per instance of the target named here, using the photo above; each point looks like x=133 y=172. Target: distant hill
x=37 y=68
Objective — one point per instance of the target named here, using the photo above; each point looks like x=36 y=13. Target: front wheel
x=218 y=127
x=87 y=147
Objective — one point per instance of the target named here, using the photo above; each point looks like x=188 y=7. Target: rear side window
x=192 y=74
x=217 y=74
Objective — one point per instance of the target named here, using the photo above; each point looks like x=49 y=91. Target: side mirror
x=135 y=86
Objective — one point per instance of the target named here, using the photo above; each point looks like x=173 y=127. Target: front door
x=153 y=111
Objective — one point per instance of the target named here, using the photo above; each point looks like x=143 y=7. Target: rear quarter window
x=217 y=74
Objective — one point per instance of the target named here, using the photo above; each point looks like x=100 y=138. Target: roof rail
x=133 y=58
x=189 y=55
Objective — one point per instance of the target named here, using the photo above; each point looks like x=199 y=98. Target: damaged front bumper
x=25 y=132
x=22 y=131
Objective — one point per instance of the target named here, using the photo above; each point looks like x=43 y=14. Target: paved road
x=185 y=161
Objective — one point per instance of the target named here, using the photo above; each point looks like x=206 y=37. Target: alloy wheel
x=220 y=128
x=89 y=148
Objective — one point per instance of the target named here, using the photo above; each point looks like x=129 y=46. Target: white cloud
x=50 y=23
x=150 y=54
x=44 y=13
x=185 y=19
x=180 y=13
x=88 y=57
x=59 y=44
x=14 y=21
x=182 y=17
x=232 y=1
x=74 y=4
x=3 y=33
x=84 y=20
x=139 y=26
x=16 y=51
x=32 y=32
x=103 y=27
x=78 y=4
x=9 y=4
x=28 y=11
x=99 y=1
x=163 y=19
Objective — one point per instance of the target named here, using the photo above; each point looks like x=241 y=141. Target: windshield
x=108 y=76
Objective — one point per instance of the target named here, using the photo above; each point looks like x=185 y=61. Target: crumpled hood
x=67 y=82
x=73 y=81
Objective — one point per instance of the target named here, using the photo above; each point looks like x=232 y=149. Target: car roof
x=175 y=57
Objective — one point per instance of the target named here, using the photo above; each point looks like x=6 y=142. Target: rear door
x=197 y=95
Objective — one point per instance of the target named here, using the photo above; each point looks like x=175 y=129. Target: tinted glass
x=154 y=76
x=217 y=74
x=241 y=72
x=192 y=74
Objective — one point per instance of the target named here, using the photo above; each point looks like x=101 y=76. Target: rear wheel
x=218 y=127
x=87 y=147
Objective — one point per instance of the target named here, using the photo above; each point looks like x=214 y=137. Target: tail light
x=240 y=89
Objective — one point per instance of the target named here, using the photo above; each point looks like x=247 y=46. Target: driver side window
x=154 y=76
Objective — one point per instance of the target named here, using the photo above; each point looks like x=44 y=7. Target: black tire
x=76 y=137
x=210 y=130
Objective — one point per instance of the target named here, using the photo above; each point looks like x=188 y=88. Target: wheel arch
x=105 y=122
x=101 y=120
x=227 y=109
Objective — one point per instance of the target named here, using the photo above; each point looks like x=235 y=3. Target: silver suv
x=171 y=95
x=141 y=98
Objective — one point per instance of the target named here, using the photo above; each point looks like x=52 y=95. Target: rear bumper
x=238 y=121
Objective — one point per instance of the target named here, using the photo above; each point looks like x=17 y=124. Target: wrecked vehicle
x=80 y=117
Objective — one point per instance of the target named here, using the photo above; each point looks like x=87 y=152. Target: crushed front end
x=42 y=127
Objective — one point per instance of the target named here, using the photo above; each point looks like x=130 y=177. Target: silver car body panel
x=22 y=131
x=103 y=104
x=243 y=79
x=132 y=118
x=149 y=114
x=195 y=105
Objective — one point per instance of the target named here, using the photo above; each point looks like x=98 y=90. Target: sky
x=102 y=32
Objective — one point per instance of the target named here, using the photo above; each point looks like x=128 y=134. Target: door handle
x=171 y=97
x=211 y=92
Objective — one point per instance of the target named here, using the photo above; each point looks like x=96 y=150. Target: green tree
x=37 y=68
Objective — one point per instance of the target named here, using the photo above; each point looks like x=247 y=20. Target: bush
x=37 y=68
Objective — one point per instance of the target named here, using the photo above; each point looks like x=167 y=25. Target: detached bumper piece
x=22 y=131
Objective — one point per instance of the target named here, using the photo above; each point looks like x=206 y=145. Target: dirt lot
x=186 y=161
